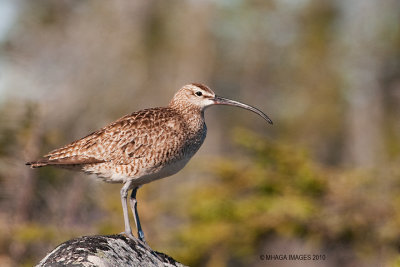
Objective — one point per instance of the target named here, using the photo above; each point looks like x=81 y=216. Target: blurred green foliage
x=270 y=189
x=275 y=189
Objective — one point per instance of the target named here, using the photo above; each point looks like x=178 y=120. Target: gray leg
x=124 y=197
x=136 y=215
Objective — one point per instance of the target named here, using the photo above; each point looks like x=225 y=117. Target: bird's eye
x=198 y=93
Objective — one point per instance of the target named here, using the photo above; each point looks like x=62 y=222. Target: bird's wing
x=150 y=134
x=128 y=138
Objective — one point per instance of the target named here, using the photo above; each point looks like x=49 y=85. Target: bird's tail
x=37 y=164
x=67 y=162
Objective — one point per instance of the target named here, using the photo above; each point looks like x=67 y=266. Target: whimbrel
x=144 y=146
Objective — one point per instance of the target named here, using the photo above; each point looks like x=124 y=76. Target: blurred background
x=323 y=180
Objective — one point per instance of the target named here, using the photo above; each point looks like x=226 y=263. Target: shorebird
x=144 y=146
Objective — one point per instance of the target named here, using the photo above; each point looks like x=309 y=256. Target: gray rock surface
x=105 y=251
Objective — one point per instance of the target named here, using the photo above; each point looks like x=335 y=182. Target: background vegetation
x=324 y=179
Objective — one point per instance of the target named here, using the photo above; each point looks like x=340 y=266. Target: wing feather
x=128 y=138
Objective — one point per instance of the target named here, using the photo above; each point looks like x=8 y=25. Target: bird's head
x=200 y=96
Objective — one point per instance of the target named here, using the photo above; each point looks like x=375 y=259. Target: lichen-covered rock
x=113 y=250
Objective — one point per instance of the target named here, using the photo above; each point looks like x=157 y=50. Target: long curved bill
x=224 y=101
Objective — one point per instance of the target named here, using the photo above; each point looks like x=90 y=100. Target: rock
x=112 y=250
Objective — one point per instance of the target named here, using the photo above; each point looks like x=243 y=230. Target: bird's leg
x=136 y=215
x=124 y=197
x=137 y=221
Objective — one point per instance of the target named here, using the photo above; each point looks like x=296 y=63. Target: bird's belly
x=161 y=172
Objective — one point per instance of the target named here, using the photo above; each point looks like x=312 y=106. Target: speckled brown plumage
x=136 y=145
x=144 y=146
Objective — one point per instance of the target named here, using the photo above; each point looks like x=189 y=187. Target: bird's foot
x=141 y=236
x=140 y=239
x=128 y=234
x=143 y=242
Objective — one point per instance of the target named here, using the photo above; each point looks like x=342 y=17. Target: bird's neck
x=192 y=115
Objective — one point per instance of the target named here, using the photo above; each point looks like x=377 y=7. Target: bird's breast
x=195 y=140
x=175 y=161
